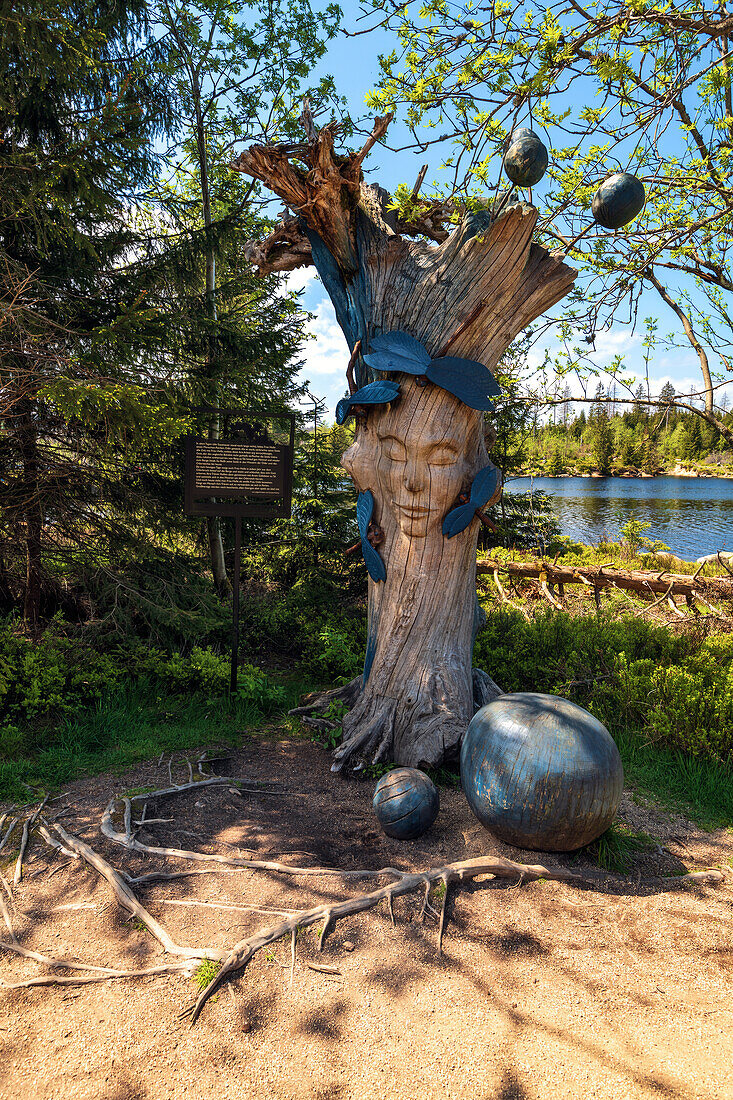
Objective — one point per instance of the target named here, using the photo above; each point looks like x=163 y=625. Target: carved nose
x=413 y=479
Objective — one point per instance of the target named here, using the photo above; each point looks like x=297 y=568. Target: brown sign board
x=235 y=477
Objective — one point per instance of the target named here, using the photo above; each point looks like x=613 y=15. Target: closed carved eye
x=393 y=449
x=442 y=455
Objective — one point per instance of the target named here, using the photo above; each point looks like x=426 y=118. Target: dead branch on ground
x=450 y=876
x=599 y=577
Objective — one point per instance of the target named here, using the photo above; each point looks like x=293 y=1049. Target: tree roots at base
x=450 y=876
x=371 y=741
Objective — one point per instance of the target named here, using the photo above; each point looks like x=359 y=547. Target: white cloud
x=326 y=356
x=300 y=279
x=610 y=344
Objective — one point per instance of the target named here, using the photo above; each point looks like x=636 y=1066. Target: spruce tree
x=81 y=107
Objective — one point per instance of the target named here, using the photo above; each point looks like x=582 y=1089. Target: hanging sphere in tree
x=618 y=200
x=526 y=160
x=541 y=772
x=406 y=803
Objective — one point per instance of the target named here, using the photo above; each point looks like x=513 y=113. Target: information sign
x=247 y=475
x=236 y=477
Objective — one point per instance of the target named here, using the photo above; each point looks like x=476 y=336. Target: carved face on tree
x=414 y=459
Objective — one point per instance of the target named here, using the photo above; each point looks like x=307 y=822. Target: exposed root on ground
x=447 y=877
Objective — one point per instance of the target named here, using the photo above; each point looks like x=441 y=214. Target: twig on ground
x=8 y=831
x=87 y=979
x=229 y=908
x=6 y=917
x=332 y=970
x=161 y=876
x=29 y=823
x=293 y=937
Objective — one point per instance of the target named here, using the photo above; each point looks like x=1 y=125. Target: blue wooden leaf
x=391 y=361
x=374 y=564
x=375 y=393
x=342 y=410
x=483 y=488
x=402 y=344
x=471 y=382
x=458 y=519
x=364 y=511
x=396 y=350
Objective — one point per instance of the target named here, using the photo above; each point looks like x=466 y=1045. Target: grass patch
x=125 y=728
x=700 y=789
x=615 y=849
x=206 y=972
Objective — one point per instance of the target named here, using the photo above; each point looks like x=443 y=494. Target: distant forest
x=615 y=438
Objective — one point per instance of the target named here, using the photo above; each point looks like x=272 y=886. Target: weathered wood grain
x=468 y=296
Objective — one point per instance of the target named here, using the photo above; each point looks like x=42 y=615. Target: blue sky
x=354 y=64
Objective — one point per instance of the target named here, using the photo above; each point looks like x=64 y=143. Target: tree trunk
x=417 y=698
x=33 y=513
x=213 y=527
x=469 y=296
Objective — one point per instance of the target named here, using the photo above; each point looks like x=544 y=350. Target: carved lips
x=413 y=517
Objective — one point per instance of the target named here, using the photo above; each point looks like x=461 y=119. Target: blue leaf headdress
x=468 y=380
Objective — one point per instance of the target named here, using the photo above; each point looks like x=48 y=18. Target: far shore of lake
x=678 y=471
x=690 y=514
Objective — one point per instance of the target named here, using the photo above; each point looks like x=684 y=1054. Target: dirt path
x=543 y=991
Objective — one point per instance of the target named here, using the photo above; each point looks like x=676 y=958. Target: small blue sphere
x=618 y=200
x=541 y=772
x=406 y=803
x=526 y=159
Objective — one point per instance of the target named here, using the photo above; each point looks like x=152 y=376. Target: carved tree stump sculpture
x=468 y=293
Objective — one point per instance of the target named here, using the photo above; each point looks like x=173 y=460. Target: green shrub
x=676 y=690
x=54 y=675
x=57 y=677
x=338 y=652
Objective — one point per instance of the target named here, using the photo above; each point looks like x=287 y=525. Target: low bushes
x=674 y=690
x=45 y=684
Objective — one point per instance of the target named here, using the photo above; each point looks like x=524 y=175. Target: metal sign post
x=235 y=602
x=245 y=475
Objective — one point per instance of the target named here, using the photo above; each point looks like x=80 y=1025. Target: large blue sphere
x=541 y=772
x=406 y=803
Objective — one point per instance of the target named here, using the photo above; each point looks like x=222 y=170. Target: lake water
x=693 y=516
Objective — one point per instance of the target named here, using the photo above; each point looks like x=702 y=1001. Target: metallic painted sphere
x=541 y=772
x=618 y=200
x=406 y=803
x=526 y=160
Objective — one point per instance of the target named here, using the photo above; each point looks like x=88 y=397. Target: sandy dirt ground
x=543 y=990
